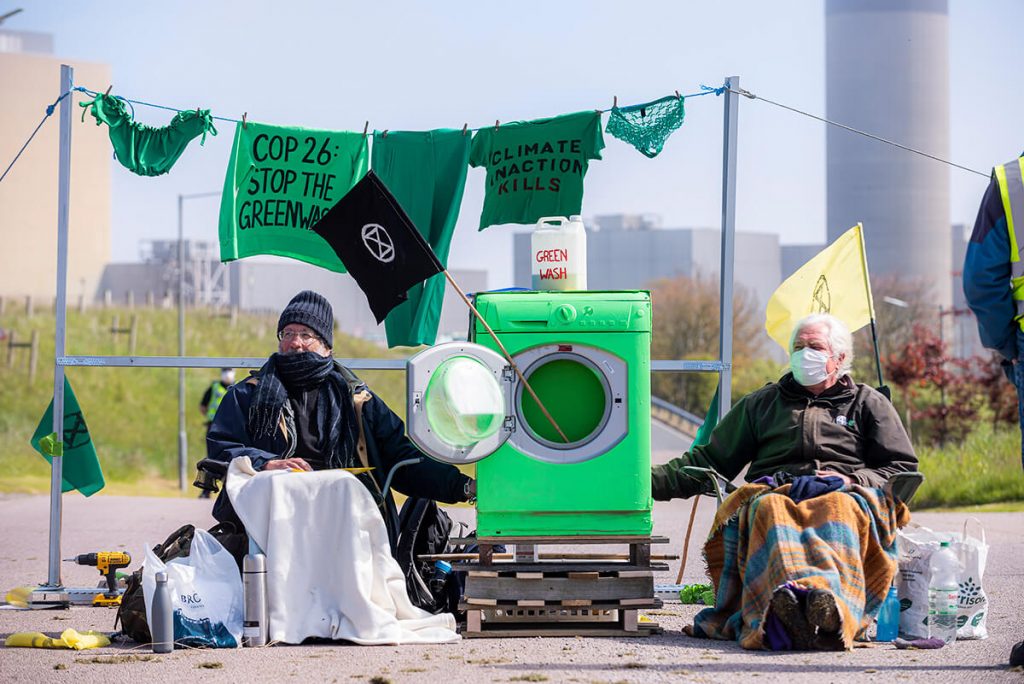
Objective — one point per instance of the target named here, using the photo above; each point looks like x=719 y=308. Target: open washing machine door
x=458 y=396
x=464 y=401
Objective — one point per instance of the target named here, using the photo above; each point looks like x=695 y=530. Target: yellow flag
x=835 y=281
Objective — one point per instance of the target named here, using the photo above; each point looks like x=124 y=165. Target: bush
x=984 y=468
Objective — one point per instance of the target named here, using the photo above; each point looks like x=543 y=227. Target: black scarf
x=335 y=414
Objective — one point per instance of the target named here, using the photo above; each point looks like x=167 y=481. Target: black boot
x=1017 y=655
x=823 y=613
x=786 y=607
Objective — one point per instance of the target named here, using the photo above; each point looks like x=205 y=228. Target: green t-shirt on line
x=536 y=168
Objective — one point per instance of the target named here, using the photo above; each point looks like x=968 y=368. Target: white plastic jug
x=559 y=254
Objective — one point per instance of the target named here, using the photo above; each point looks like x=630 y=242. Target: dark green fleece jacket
x=849 y=428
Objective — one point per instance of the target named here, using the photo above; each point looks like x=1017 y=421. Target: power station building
x=30 y=76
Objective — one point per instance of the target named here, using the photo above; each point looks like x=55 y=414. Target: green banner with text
x=280 y=181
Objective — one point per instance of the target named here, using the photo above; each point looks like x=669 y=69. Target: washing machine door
x=585 y=392
x=458 y=397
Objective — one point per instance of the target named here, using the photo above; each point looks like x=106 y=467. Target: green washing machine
x=586 y=355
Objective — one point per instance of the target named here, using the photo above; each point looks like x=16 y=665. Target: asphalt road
x=115 y=523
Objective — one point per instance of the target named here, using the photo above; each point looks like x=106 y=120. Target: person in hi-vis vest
x=994 y=272
x=994 y=283
x=215 y=393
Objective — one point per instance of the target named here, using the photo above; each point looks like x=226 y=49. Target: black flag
x=378 y=244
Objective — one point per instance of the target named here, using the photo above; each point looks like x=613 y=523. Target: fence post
x=133 y=328
x=3 y=302
x=130 y=299
x=33 y=356
x=10 y=350
x=150 y=299
x=108 y=299
x=28 y=306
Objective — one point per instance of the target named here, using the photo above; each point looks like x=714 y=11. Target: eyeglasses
x=305 y=337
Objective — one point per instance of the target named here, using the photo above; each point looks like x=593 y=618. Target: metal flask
x=254 y=586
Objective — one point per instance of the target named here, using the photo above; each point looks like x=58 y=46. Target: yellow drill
x=108 y=563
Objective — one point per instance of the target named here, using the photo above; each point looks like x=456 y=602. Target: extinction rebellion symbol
x=378 y=242
x=75 y=433
x=821 y=300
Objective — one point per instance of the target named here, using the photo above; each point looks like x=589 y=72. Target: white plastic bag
x=915 y=545
x=206 y=593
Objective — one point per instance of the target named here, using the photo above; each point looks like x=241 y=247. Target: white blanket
x=330 y=573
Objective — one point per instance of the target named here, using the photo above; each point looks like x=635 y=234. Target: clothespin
x=465 y=127
x=244 y=116
x=384 y=134
x=109 y=87
x=678 y=96
x=366 y=127
x=496 y=124
x=615 y=101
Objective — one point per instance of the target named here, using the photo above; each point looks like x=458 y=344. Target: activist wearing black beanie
x=312 y=310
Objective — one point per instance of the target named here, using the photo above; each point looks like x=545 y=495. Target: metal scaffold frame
x=53 y=593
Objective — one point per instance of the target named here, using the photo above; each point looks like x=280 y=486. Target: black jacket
x=849 y=428
x=382 y=436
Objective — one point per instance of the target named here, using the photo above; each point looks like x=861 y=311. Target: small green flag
x=703 y=435
x=81 y=469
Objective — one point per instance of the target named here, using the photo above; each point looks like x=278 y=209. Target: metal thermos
x=162 y=628
x=254 y=586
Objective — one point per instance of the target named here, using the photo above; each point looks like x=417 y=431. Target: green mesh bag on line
x=647 y=126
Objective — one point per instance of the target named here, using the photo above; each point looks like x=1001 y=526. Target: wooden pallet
x=527 y=597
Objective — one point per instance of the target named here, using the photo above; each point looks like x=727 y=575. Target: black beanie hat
x=313 y=311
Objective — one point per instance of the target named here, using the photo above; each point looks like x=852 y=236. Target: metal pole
x=63 y=203
x=729 y=130
x=182 y=434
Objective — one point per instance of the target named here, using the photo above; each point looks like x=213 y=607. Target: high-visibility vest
x=1010 y=178
x=217 y=392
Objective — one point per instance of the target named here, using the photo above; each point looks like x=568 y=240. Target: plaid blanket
x=843 y=541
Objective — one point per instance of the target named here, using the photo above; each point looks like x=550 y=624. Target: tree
x=940 y=394
x=894 y=323
x=686 y=313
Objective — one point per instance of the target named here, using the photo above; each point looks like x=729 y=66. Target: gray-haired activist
x=304 y=411
x=803 y=556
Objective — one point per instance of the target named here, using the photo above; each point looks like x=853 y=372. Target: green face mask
x=144 y=150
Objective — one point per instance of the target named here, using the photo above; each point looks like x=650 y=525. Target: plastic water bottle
x=889 y=617
x=254 y=590
x=440 y=577
x=943 y=594
x=162 y=628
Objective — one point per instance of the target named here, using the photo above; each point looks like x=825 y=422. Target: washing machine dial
x=565 y=313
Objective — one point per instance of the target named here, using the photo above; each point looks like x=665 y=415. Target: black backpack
x=424 y=529
x=131 y=614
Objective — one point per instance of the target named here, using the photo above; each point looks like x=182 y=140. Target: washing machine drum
x=465 y=401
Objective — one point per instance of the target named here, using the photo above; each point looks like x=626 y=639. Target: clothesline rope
x=705 y=90
x=49 y=113
x=752 y=96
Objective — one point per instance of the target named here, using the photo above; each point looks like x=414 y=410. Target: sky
x=421 y=65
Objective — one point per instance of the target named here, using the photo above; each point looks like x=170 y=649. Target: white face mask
x=227 y=377
x=808 y=366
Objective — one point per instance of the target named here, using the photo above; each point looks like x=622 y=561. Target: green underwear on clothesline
x=142 y=149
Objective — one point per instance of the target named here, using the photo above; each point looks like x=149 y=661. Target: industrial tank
x=887 y=72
